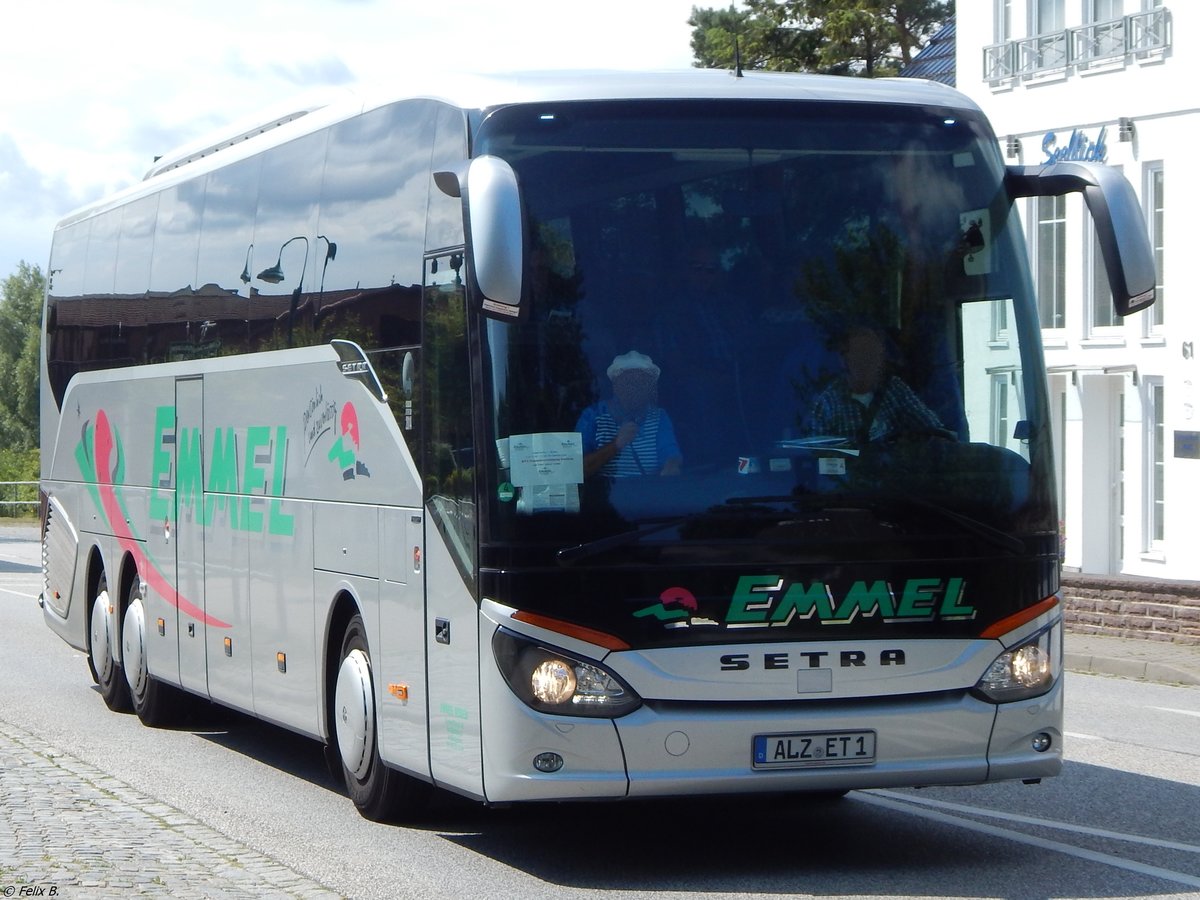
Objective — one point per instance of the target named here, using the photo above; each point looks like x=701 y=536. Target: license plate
x=814 y=748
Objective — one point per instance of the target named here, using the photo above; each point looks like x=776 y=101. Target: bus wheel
x=378 y=792
x=151 y=699
x=101 y=659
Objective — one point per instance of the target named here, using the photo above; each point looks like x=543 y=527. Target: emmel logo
x=345 y=449
x=772 y=601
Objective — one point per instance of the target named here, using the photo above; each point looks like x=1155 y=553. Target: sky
x=94 y=90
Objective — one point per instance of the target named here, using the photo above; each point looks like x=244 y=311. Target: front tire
x=379 y=793
x=106 y=671
x=151 y=699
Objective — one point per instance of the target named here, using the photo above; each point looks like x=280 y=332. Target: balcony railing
x=1113 y=41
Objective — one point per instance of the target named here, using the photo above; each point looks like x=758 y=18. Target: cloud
x=330 y=71
x=30 y=203
x=75 y=125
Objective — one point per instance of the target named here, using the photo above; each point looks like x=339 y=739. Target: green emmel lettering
x=952 y=605
x=866 y=599
x=190 y=483
x=222 y=476
x=803 y=603
x=254 y=479
x=160 y=464
x=769 y=601
x=751 y=599
x=919 y=597
x=279 y=522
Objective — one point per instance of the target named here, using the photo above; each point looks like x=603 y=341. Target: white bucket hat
x=632 y=361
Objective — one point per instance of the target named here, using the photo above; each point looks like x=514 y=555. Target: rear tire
x=379 y=793
x=102 y=660
x=154 y=702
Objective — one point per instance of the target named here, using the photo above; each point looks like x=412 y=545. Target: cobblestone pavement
x=69 y=830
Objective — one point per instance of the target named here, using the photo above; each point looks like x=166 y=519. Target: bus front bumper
x=676 y=749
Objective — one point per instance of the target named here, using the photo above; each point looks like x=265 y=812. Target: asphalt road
x=1120 y=822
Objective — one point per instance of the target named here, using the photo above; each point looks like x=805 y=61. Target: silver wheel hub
x=354 y=713
x=133 y=646
x=101 y=650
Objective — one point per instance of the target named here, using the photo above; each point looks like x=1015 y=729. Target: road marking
x=1080 y=736
x=18 y=594
x=1044 y=823
x=912 y=805
x=1182 y=712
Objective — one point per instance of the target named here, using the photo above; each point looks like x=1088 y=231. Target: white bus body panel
x=403 y=712
x=233 y=568
x=455 y=737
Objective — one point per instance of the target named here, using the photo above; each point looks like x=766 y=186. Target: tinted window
x=319 y=238
x=180 y=331
x=283 y=288
x=64 y=338
x=226 y=261
x=445 y=212
x=376 y=188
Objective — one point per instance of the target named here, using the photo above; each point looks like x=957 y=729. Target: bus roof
x=487 y=91
x=479 y=92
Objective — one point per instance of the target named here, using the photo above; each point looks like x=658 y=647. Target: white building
x=1109 y=80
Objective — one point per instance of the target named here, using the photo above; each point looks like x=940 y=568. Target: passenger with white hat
x=629 y=434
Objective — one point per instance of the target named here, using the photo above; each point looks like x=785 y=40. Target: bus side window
x=445 y=389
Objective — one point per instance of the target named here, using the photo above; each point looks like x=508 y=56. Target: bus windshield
x=781 y=330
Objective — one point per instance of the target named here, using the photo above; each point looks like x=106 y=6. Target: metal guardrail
x=13 y=496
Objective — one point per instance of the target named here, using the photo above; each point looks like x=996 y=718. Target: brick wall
x=1145 y=608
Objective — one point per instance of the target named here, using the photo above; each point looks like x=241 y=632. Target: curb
x=1143 y=670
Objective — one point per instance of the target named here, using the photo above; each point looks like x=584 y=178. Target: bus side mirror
x=1120 y=228
x=494 y=226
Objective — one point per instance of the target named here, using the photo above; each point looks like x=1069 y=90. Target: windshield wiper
x=569 y=555
x=994 y=536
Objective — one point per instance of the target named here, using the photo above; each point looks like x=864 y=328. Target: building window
x=1003 y=20
x=1049 y=255
x=1000 y=427
x=1047 y=47
x=1156 y=470
x=1103 y=37
x=1103 y=315
x=1119 y=428
x=1048 y=16
x=1154 y=199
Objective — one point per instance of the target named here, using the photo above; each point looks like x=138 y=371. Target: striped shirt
x=646 y=454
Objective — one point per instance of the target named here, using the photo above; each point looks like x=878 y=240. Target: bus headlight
x=1027 y=670
x=553 y=681
x=550 y=680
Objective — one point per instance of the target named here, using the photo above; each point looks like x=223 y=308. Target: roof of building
x=936 y=59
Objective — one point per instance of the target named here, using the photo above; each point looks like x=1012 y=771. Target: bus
x=335 y=432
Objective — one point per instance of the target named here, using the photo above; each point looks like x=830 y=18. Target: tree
x=20 y=338
x=838 y=37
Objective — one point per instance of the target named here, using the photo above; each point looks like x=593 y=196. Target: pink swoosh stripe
x=154 y=578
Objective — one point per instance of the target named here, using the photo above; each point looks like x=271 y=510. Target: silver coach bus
x=558 y=437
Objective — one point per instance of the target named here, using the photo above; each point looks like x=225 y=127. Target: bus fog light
x=1041 y=742
x=547 y=762
x=552 y=681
